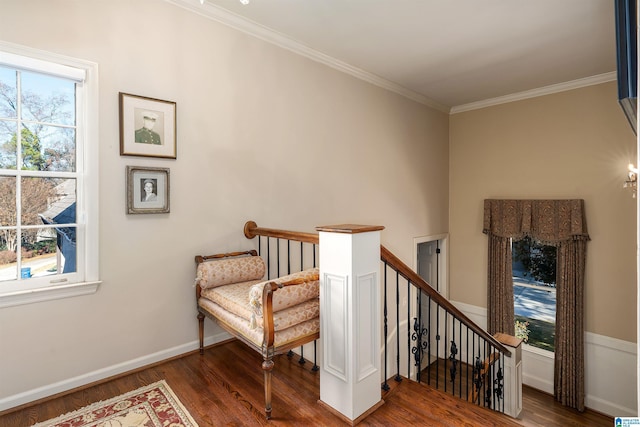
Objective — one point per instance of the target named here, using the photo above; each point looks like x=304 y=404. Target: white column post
x=512 y=392
x=350 y=324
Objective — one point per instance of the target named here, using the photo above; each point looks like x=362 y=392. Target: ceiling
x=440 y=52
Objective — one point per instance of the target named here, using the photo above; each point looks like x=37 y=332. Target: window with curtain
x=534 y=268
x=559 y=223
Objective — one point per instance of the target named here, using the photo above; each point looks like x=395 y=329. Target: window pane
x=7 y=203
x=54 y=252
x=48 y=201
x=8 y=90
x=534 y=292
x=48 y=148
x=48 y=99
x=8 y=144
x=9 y=233
x=8 y=265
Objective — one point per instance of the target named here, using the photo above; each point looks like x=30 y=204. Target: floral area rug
x=154 y=405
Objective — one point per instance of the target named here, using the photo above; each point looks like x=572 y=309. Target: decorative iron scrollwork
x=454 y=362
x=420 y=346
x=477 y=377
x=499 y=384
x=487 y=395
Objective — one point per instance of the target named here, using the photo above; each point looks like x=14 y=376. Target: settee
x=270 y=316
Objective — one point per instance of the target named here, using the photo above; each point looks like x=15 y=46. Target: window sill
x=49 y=293
x=540 y=352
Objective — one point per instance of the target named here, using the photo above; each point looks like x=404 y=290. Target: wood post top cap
x=349 y=228
x=509 y=340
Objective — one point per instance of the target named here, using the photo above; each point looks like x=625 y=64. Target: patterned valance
x=548 y=221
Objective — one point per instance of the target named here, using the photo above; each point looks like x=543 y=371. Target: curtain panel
x=560 y=223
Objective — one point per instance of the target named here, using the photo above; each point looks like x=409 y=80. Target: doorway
x=430 y=262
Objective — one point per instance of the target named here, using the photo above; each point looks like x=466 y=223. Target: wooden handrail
x=387 y=256
x=251 y=230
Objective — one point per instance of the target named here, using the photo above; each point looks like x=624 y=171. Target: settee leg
x=201 y=331
x=267 y=367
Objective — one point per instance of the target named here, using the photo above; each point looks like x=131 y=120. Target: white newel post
x=512 y=374
x=350 y=324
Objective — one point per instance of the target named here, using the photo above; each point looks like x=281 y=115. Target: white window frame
x=86 y=73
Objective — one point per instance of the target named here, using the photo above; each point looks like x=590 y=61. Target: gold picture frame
x=147 y=127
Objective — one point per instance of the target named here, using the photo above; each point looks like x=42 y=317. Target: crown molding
x=270 y=36
x=533 y=93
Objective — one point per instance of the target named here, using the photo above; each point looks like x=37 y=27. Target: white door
x=430 y=265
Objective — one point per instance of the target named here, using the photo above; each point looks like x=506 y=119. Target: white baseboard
x=100 y=374
x=607 y=407
x=610 y=369
x=538 y=383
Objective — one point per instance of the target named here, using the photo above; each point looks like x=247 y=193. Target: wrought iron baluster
x=444 y=347
x=453 y=351
x=484 y=364
x=502 y=381
x=437 y=345
x=460 y=377
x=278 y=257
x=419 y=373
x=398 y=378
x=315 y=366
x=498 y=382
x=429 y=344
x=408 y=330
x=477 y=379
x=385 y=384
x=467 y=362
x=488 y=384
x=314 y=255
x=268 y=259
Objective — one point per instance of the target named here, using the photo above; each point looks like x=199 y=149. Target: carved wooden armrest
x=267 y=304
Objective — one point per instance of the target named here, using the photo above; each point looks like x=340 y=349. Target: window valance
x=548 y=221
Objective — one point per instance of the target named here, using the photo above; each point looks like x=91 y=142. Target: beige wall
x=263 y=134
x=574 y=144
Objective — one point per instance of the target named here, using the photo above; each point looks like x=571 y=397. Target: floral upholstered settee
x=271 y=316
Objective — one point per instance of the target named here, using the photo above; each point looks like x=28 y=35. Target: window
x=48 y=176
x=534 y=292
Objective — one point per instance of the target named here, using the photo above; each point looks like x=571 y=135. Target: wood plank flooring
x=224 y=387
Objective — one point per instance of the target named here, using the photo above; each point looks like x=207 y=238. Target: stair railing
x=433 y=342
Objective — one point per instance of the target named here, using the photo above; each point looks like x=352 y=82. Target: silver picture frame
x=148 y=190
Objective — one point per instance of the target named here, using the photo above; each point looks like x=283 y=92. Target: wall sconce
x=632 y=179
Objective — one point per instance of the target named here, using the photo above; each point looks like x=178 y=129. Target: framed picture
x=147 y=190
x=147 y=127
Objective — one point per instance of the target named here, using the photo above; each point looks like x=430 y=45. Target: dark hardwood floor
x=224 y=387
